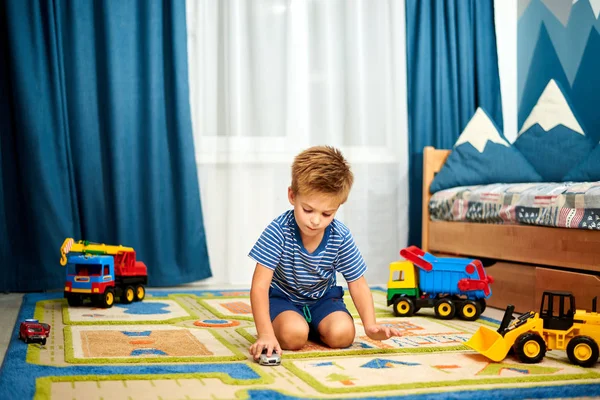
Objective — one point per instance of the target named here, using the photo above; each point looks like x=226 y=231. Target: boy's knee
x=293 y=337
x=339 y=334
x=338 y=340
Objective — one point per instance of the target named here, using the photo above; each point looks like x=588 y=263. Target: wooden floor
x=9 y=308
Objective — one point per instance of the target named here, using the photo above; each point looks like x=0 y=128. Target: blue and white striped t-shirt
x=305 y=277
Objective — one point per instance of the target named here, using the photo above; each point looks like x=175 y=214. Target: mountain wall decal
x=551 y=138
x=585 y=92
x=544 y=67
x=528 y=33
x=552 y=109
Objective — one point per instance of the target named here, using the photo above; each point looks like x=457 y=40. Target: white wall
x=506 y=39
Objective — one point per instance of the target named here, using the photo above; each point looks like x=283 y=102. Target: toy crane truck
x=449 y=285
x=558 y=326
x=102 y=273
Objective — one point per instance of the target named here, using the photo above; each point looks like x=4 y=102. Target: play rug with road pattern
x=194 y=345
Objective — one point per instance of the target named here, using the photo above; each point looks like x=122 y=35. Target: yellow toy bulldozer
x=558 y=326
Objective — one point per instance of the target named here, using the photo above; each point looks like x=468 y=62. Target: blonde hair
x=324 y=170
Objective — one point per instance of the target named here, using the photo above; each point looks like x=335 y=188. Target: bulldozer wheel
x=470 y=310
x=530 y=348
x=403 y=307
x=444 y=309
x=583 y=351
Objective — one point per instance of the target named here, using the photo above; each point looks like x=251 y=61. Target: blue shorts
x=331 y=301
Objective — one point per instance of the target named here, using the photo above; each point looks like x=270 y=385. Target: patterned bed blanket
x=565 y=205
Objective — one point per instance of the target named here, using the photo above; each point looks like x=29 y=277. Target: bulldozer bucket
x=489 y=343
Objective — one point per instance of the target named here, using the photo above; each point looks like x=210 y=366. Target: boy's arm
x=363 y=300
x=259 y=300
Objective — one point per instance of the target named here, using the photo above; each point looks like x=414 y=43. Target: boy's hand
x=265 y=342
x=380 y=332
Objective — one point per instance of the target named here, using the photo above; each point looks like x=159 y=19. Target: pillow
x=588 y=170
x=482 y=156
x=551 y=138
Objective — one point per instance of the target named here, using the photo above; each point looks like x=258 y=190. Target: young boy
x=294 y=291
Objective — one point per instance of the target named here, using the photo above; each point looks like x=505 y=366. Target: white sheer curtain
x=269 y=78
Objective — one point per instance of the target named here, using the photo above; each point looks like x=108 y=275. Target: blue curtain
x=97 y=138
x=452 y=70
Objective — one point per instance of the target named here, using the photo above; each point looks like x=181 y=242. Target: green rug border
x=67 y=319
x=70 y=357
x=34 y=352
x=219 y=314
x=318 y=386
x=354 y=352
x=202 y=301
x=43 y=386
x=448 y=322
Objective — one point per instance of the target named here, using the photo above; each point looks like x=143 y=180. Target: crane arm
x=83 y=246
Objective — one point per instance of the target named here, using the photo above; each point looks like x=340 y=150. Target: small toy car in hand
x=31 y=330
x=275 y=358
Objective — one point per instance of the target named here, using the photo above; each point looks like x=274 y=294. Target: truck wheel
x=43 y=341
x=74 y=301
x=107 y=299
x=482 y=305
x=403 y=307
x=140 y=293
x=444 y=309
x=469 y=310
x=530 y=348
x=128 y=295
x=583 y=351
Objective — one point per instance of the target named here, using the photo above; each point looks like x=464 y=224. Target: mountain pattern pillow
x=481 y=155
x=588 y=170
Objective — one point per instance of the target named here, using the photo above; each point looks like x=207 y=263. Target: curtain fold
x=100 y=137
x=452 y=69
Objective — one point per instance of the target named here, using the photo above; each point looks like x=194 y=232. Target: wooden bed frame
x=529 y=259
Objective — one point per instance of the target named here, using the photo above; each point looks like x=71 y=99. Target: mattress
x=565 y=204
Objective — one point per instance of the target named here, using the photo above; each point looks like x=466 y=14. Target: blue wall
x=560 y=41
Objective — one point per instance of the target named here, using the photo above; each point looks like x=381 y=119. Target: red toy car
x=32 y=330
